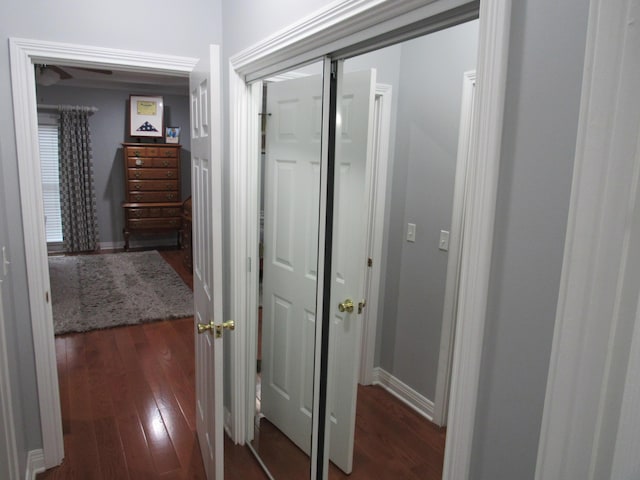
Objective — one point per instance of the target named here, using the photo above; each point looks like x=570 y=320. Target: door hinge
x=334 y=69
x=369 y=262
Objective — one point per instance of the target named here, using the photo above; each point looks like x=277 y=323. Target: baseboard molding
x=421 y=404
x=35 y=464
x=165 y=242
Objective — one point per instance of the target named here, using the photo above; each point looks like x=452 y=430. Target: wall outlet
x=411 y=232
x=443 y=244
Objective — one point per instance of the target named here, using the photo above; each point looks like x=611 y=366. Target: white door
x=354 y=126
x=206 y=188
x=292 y=175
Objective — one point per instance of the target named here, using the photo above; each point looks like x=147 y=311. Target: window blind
x=48 y=138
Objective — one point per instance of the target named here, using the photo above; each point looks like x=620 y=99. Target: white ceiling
x=117 y=80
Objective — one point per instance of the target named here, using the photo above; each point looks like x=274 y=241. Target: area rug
x=100 y=291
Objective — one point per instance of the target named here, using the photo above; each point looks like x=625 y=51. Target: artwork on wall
x=173 y=135
x=146 y=115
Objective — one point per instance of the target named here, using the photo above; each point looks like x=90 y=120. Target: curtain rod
x=42 y=106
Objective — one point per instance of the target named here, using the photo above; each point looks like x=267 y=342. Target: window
x=48 y=138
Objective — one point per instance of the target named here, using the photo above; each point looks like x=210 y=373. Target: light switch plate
x=411 y=232
x=443 y=244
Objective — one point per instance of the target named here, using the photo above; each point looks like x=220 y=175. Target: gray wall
x=109 y=128
x=542 y=101
x=179 y=29
x=430 y=94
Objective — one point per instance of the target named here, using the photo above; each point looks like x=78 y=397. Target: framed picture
x=173 y=135
x=146 y=114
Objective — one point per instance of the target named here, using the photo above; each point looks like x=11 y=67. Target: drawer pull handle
x=165 y=163
x=169 y=174
x=137 y=186
x=138 y=198
x=137 y=174
x=170 y=196
x=136 y=153
x=167 y=153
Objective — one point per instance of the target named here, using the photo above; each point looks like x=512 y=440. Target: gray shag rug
x=89 y=292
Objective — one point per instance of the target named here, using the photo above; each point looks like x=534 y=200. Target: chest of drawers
x=153 y=200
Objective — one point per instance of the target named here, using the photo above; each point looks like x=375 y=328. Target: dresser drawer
x=152 y=212
x=142 y=151
x=154 y=223
x=142 y=197
x=152 y=173
x=149 y=162
x=152 y=185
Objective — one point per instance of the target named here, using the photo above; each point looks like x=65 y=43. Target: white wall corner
x=35 y=464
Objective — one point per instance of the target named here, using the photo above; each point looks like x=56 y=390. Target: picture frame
x=146 y=116
x=172 y=134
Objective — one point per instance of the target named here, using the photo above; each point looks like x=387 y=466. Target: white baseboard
x=164 y=242
x=35 y=464
x=421 y=404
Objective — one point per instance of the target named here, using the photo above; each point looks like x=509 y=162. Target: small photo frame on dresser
x=146 y=114
x=172 y=135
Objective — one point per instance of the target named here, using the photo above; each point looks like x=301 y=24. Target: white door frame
x=24 y=53
x=461 y=197
x=590 y=425
x=340 y=26
x=377 y=195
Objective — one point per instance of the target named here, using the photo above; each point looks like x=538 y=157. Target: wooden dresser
x=153 y=202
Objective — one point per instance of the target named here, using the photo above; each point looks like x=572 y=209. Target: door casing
x=337 y=31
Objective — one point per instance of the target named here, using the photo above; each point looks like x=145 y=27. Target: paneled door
x=206 y=187
x=292 y=175
x=291 y=203
x=354 y=127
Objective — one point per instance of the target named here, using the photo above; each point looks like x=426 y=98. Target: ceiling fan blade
x=96 y=70
x=63 y=74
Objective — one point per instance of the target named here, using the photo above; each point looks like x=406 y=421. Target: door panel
x=354 y=124
x=292 y=176
x=207 y=252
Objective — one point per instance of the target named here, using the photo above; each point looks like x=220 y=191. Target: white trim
x=338 y=26
x=24 y=53
x=486 y=141
x=375 y=227
x=6 y=403
x=454 y=262
x=416 y=401
x=587 y=427
x=341 y=25
x=35 y=464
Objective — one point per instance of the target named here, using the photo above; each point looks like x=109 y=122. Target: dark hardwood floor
x=128 y=411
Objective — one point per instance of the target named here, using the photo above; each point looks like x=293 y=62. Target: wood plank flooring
x=128 y=412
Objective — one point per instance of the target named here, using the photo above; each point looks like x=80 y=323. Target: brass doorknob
x=211 y=326
x=346 y=306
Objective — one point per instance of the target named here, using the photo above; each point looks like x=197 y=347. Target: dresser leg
x=180 y=233
x=126 y=239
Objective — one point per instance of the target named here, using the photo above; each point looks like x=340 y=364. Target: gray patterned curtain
x=77 y=190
